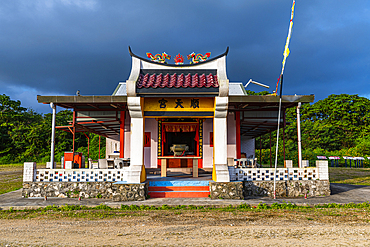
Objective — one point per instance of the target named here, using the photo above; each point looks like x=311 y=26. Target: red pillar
x=238 y=143
x=122 y=135
x=74 y=131
x=284 y=133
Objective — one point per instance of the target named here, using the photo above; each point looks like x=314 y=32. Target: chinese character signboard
x=179 y=107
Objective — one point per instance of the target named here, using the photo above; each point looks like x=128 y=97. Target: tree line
x=26 y=135
x=335 y=126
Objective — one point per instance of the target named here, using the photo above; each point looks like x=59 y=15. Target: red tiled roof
x=177 y=81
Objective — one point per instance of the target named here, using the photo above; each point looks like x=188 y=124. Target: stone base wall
x=105 y=190
x=287 y=188
x=130 y=192
x=226 y=190
x=245 y=189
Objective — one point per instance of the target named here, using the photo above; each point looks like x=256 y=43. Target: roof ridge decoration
x=179 y=59
x=159 y=58
x=196 y=58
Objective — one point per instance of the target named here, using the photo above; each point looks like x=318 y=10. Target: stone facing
x=246 y=189
x=105 y=190
x=139 y=192
x=287 y=188
x=226 y=190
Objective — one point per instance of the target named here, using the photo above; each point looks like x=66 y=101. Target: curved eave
x=178 y=65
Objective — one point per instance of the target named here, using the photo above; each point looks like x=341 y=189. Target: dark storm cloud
x=58 y=46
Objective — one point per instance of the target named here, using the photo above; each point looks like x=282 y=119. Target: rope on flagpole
x=285 y=54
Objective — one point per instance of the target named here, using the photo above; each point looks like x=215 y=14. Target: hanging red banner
x=180 y=127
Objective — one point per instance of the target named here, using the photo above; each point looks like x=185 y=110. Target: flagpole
x=285 y=54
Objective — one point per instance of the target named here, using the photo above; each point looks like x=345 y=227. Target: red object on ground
x=76 y=158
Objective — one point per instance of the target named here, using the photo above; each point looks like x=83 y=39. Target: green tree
x=334 y=123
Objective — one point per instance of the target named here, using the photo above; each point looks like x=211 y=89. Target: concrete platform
x=341 y=193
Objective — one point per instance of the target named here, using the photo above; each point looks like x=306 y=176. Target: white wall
x=248 y=146
x=113 y=142
x=231 y=135
x=207 y=149
x=151 y=153
x=127 y=135
x=111 y=145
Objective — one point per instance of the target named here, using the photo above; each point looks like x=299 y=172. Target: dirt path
x=193 y=228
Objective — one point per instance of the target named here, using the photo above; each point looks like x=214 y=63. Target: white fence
x=267 y=174
x=31 y=174
x=320 y=172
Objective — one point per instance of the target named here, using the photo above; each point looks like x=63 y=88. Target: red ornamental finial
x=179 y=59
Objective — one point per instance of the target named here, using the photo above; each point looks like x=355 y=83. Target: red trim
x=179 y=188
x=163 y=140
x=175 y=194
x=238 y=143
x=122 y=135
x=147 y=139
x=200 y=163
x=74 y=130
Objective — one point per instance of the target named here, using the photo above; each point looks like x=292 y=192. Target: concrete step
x=178 y=189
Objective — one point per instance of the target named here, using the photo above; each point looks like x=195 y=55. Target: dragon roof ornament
x=195 y=58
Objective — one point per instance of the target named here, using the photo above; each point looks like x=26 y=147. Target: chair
x=103 y=164
x=254 y=164
x=118 y=164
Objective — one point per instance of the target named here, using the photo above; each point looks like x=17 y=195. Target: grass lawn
x=356 y=176
x=11 y=177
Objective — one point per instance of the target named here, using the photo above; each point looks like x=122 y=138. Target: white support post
x=137 y=139
x=52 y=148
x=220 y=139
x=299 y=136
x=29 y=171
x=323 y=167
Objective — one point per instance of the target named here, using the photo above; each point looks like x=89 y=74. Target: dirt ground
x=320 y=227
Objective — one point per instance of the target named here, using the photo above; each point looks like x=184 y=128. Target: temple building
x=177 y=116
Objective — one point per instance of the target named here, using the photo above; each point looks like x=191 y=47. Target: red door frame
x=200 y=161
x=238 y=141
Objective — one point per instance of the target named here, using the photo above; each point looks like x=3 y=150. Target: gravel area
x=194 y=228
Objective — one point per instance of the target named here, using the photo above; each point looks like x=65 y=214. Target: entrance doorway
x=180 y=138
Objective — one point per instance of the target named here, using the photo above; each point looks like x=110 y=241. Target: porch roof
x=259 y=113
x=102 y=113
x=95 y=114
x=87 y=103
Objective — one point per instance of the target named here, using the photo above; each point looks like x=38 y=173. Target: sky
x=56 y=47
